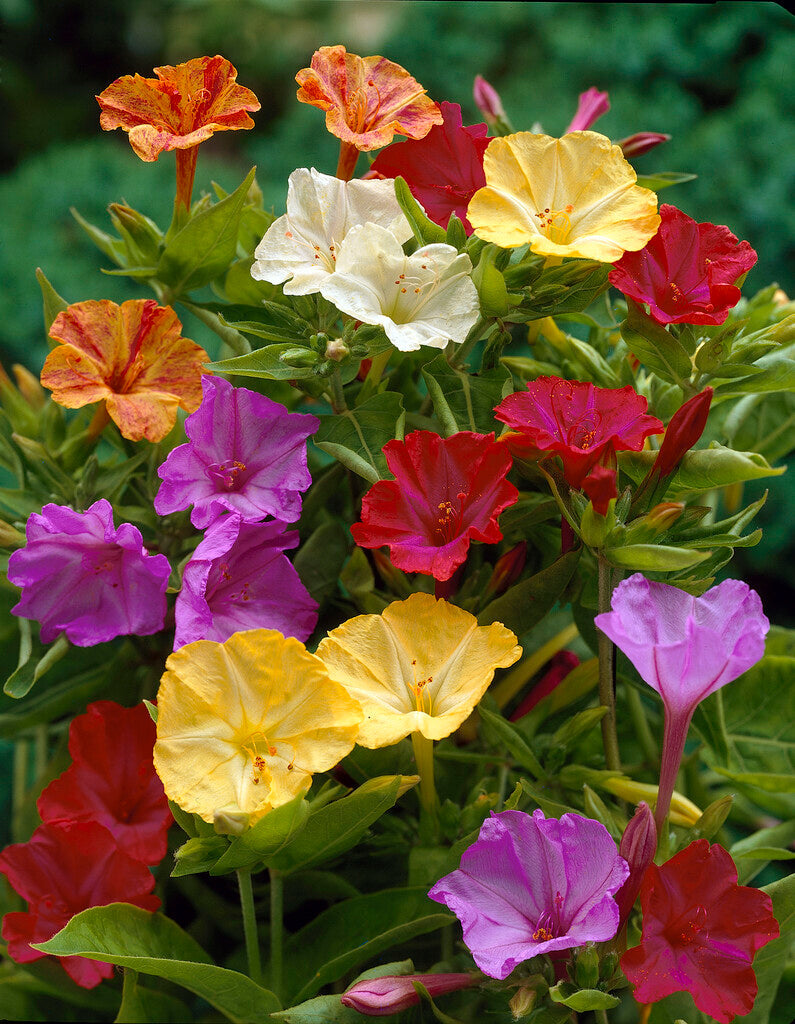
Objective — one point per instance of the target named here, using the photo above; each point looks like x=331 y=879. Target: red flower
x=446 y=492
x=700 y=933
x=443 y=170
x=686 y=273
x=113 y=780
x=600 y=486
x=60 y=871
x=583 y=424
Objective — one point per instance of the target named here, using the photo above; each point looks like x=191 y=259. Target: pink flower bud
x=638 y=846
x=590 y=108
x=560 y=665
x=380 y=997
x=487 y=100
x=686 y=427
x=642 y=142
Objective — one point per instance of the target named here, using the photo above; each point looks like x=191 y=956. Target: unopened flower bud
x=487 y=100
x=590 y=108
x=608 y=966
x=380 y=997
x=10 y=537
x=508 y=569
x=686 y=427
x=29 y=387
x=559 y=666
x=230 y=821
x=600 y=486
x=641 y=142
x=638 y=846
x=586 y=966
x=656 y=522
x=336 y=349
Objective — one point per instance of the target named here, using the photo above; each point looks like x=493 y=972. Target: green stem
x=642 y=730
x=277 y=929
x=423 y=755
x=377 y=366
x=40 y=750
x=336 y=396
x=607 y=682
x=249 y=925
x=601 y=1016
x=461 y=353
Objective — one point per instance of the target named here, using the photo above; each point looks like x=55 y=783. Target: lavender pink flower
x=592 y=104
x=81 y=576
x=239 y=578
x=531 y=885
x=245 y=454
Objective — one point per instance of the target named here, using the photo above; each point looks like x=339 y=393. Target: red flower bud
x=508 y=569
x=600 y=486
x=638 y=846
x=641 y=142
x=686 y=427
x=560 y=665
x=380 y=997
x=487 y=100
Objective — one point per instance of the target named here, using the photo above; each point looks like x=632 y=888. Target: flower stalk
x=277 y=929
x=607 y=681
x=250 y=925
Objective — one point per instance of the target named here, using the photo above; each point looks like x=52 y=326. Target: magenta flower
x=638 y=846
x=239 y=578
x=81 y=576
x=685 y=648
x=245 y=454
x=590 y=108
x=531 y=885
x=380 y=997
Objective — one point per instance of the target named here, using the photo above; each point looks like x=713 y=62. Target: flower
x=245 y=454
x=444 y=169
x=488 y=101
x=420 y=666
x=590 y=108
x=61 y=870
x=685 y=648
x=638 y=846
x=575 y=196
x=181 y=108
x=242 y=725
x=427 y=298
x=301 y=247
x=446 y=492
x=700 y=933
x=600 y=486
x=583 y=424
x=238 y=578
x=81 y=576
x=131 y=357
x=641 y=142
x=687 y=272
x=684 y=429
x=380 y=997
x=112 y=780
x=530 y=885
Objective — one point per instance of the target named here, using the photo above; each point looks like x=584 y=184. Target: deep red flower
x=443 y=170
x=686 y=273
x=583 y=424
x=113 y=780
x=700 y=933
x=60 y=871
x=446 y=492
x=600 y=486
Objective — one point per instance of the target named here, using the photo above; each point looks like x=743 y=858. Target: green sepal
x=425 y=231
x=582 y=999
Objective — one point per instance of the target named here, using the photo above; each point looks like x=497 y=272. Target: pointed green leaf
x=771 y=961
x=141 y=1005
x=656 y=348
x=465 y=401
x=267 y=362
x=320 y=560
x=583 y=999
x=653 y=557
x=425 y=231
x=509 y=736
x=356 y=437
x=53 y=303
x=664 y=179
x=703 y=468
x=527 y=602
x=266 y=839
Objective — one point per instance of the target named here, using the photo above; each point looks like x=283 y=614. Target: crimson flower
x=60 y=871
x=583 y=424
x=113 y=780
x=446 y=492
x=444 y=169
x=700 y=933
x=686 y=273
x=600 y=486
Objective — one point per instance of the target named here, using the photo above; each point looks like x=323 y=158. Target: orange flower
x=368 y=100
x=132 y=357
x=179 y=109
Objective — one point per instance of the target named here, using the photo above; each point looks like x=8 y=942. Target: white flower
x=427 y=298
x=302 y=246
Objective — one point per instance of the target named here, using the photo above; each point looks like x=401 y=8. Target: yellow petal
x=420 y=666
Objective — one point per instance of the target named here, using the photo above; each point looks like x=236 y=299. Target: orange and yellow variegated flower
x=132 y=357
x=243 y=725
x=367 y=99
x=180 y=108
x=419 y=667
x=575 y=196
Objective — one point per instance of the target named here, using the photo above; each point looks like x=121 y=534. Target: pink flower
x=590 y=108
x=380 y=997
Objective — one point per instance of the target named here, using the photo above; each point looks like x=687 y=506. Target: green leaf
x=527 y=602
x=320 y=560
x=56 y=701
x=425 y=231
x=113 y=248
x=583 y=999
x=207 y=245
x=152 y=944
x=198 y=855
x=508 y=735
x=767 y=853
x=141 y=1005
x=552 y=808
x=267 y=838
x=40 y=661
x=267 y=362
x=490 y=283
x=355 y=437
x=771 y=961
x=653 y=557
x=775 y=837
x=465 y=401
x=443 y=1018
x=664 y=179
x=778 y=374
x=53 y=303
x=656 y=348
x=703 y=468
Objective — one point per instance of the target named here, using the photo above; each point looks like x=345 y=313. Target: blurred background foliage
x=718 y=77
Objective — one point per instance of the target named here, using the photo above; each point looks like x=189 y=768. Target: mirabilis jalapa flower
x=132 y=357
x=530 y=885
x=301 y=247
x=575 y=196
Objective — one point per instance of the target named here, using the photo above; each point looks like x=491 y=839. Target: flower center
x=412 y=292
x=358 y=119
x=549 y=925
x=691 y=924
x=555 y=224
x=258 y=747
x=418 y=690
x=449 y=518
x=581 y=432
x=227 y=474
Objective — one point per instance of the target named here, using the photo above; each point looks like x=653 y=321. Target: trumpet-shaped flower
x=427 y=298
x=132 y=357
x=302 y=247
x=245 y=454
x=592 y=104
x=239 y=578
x=575 y=196
x=701 y=931
x=531 y=885
x=581 y=423
x=419 y=667
x=243 y=725
x=687 y=272
x=446 y=492
x=81 y=576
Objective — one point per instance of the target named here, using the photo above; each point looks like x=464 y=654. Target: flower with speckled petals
x=245 y=454
x=530 y=885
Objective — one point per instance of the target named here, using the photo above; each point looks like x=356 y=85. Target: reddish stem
x=674 y=736
x=346 y=164
x=186 y=170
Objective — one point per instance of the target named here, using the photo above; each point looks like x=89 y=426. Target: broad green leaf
x=267 y=362
x=664 y=179
x=653 y=557
x=507 y=734
x=207 y=244
x=152 y=944
x=465 y=401
x=320 y=560
x=198 y=855
x=703 y=468
x=355 y=437
x=762 y=423
x=778 y=374
x=141 y=1005
x=771 y=961
x=264 y=841
x=775 y=837
x=583 y=999
x=767 y=853
x=656 y=348
x=528 y=601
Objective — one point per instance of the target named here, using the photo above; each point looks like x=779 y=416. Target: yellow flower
x=419 y=667
x=243 y=725
x=575 y=196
